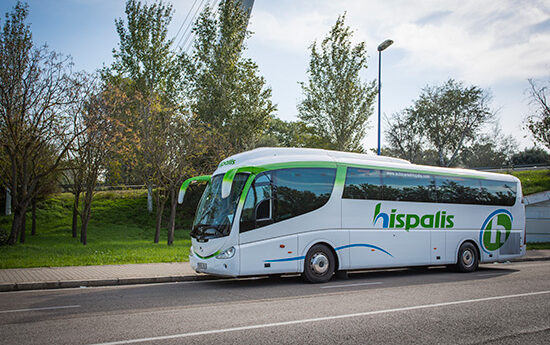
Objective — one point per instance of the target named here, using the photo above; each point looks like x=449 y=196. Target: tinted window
x=404 y=186
x=298 y=191
x=363 y=184
x=458 y=190
x=286 y=193
x=499 y=192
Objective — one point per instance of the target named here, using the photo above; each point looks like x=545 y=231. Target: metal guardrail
x=515 y=168
x=102 y=188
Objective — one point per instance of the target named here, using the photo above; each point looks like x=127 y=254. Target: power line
x=189 y=24
x=185 y=20
x=186 y=46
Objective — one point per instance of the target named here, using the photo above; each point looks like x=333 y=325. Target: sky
x=496 y=45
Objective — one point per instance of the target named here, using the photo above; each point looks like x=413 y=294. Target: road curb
x=7 y=287
x=61 y=284
x=542 y=258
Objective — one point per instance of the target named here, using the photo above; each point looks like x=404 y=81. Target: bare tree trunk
x=75 y=212
x=84 y=232
x=22 y=231
x=33 y=228
x=160 y=203
x=8 y=202
x=149 y=197
x=172 y=223
x=15 y=225
x=86 y=212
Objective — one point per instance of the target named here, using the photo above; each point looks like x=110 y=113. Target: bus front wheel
x=467 y=258
x=319 y=264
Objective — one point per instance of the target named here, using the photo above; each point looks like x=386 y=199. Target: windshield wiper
x=199 y=231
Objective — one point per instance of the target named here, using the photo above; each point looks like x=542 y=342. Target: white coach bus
x=311 y=211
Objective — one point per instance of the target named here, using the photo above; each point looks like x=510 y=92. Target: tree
x=531 y=156
x=337 y=104
x=405 y=137
x=149 y=70
x=539 y=122
x=90 y=151
x=38 y=93
x=493 y=149
x=226 y=91
x=279 y=133
x=149 y=73
x=445 y=119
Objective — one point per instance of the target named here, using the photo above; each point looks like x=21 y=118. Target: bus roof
x=273 y=155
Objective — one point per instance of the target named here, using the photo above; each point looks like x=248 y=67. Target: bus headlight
x=191 y=251
x=227 y=254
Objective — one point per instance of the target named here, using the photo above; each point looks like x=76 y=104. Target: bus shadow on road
x=376 y=278
x=427 y=275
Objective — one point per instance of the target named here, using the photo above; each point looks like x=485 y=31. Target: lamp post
x=381 y=47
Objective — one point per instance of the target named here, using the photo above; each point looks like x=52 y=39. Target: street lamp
x=381 y=47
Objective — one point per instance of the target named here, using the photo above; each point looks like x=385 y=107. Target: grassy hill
x=533 y=181
x=120 y=231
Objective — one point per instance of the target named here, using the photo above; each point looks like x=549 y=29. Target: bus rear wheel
x=319 y=264
x=467 y=258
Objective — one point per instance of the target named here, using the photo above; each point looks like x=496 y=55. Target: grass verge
x=538 y=245
x=120 y=232
x=533 y=181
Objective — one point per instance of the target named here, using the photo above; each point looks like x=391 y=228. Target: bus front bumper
x=214 y=266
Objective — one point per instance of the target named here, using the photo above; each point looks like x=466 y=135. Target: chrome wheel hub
x=468 y=258
x=319 y=263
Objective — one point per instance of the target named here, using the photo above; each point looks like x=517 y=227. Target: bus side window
x=499 y=192
x=285 y=193
x=258 y=205
x=363 y=184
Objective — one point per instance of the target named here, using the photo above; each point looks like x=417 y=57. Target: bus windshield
x=214 y=213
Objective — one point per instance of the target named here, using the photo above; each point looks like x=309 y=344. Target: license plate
x=201 y=265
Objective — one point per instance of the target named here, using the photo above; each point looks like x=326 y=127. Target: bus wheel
x=467 y=258
x=319 y=264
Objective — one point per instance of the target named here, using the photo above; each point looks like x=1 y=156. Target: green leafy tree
x=337 y=104
x=149 y=73
x=280 y=133
x=146 y=67
x=493 y=150
x=405 y=137
x=539 y=122
x=226 y=91
x=444 y=119
x=529 y=156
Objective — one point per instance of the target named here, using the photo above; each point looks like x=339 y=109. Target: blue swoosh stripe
x=363 y=245
x=287 y=259
x=338 y=248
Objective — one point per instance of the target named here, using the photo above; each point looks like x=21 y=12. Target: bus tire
x=319 y=264
x=468 y=259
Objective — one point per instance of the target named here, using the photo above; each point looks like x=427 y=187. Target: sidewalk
x=13 y=279
x=77 y=276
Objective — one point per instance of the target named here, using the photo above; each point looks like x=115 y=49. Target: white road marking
x=347 y=285
x=326 y=318
x=36 y=309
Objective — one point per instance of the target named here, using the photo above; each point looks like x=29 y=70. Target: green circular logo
x=496 y=230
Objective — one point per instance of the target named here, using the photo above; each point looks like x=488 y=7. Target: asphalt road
x=498 y=304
